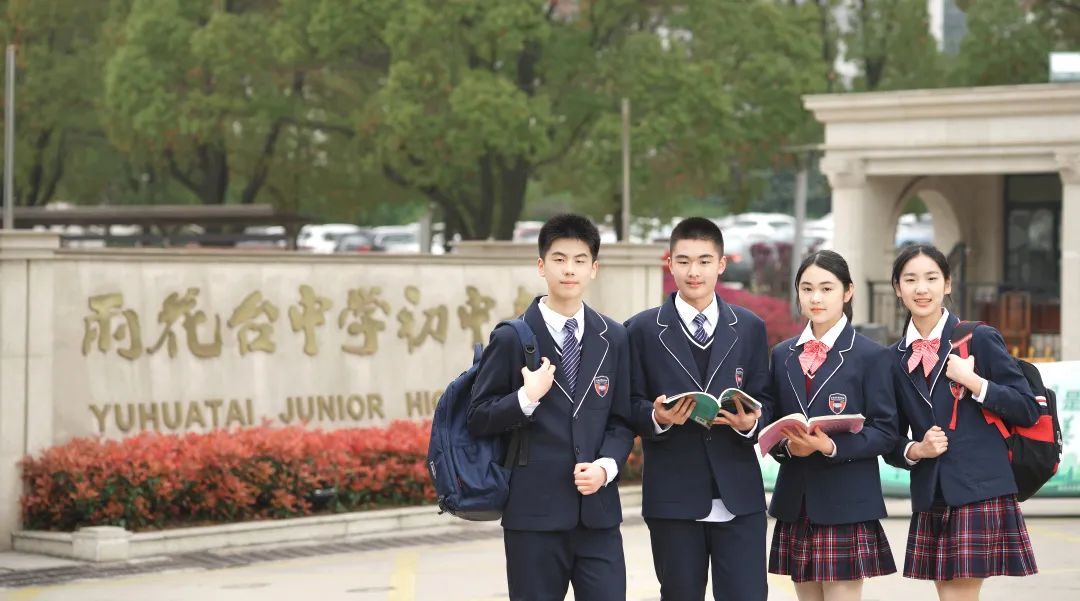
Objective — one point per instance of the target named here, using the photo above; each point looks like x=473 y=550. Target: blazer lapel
x=674 y=341
x=547 y=345
x=594 y=349
x=943 y=351
x=833 y=361
x=724 y=339
x=796 y=376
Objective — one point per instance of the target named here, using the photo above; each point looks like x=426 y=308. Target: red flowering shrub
x=157 y=480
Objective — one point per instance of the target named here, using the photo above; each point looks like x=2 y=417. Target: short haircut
x=574 y=227
x=697 y=228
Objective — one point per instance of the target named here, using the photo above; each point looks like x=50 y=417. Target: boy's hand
x=677 y=415
x=538 y=383
x=589 y=477
x=740 y=420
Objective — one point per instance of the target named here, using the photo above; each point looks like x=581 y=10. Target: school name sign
x=146 y=347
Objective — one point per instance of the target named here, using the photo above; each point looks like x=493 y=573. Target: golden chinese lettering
x=310 y=313
x=99 y=325
x=475 y=313
x=434 y=321
x=254 y=336
x=172 y=309
x=361 y=306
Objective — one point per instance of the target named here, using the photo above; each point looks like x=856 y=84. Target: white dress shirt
x=555 y=323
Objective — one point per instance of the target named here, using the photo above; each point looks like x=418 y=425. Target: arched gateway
x=999 y=169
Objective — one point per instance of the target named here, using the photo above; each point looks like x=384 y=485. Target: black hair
x=574 y=227
x=832 y=262
x=914 y=250
x=697 y=228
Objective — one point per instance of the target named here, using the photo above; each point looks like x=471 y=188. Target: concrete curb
x=108 y=543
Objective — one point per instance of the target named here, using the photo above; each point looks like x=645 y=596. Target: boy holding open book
x=702 y=494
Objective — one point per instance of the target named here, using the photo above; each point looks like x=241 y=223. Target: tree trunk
x=515 y=181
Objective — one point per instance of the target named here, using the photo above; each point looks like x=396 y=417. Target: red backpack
x=1035 y=451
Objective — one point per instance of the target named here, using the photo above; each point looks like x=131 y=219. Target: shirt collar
x=556 y=321
x=913 y=332
x=829 y=339
x=687 y=312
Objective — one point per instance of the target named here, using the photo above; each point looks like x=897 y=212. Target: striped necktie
x=571 y=353
x=699 y=332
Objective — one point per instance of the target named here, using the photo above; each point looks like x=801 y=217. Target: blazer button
x=577 y=450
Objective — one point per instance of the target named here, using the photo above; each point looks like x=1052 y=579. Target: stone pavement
x=466 y=565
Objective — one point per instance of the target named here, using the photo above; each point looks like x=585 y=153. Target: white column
x=1070 y=256
x=861 y=227
x=26 y=378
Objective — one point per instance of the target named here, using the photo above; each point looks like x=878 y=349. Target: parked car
x=263 y=236
x=323 y=238
x=358 y=242
x=397 y=238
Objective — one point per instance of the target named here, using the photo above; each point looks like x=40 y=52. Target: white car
x=397 y=238
x=323 y=238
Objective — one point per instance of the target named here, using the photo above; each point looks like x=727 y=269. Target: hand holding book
x=732 y=407
x=801 y=444
x=813 y=433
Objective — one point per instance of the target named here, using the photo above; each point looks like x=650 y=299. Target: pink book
x=771 y=435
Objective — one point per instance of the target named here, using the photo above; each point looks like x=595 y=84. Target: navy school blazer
x=857 y=377
x=563 y=430
x=681 y=464
x=976 y=465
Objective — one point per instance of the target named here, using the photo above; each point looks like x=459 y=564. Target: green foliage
x=487 y=110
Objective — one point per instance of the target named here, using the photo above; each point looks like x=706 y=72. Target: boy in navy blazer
x=703 y=497
x=561 y=521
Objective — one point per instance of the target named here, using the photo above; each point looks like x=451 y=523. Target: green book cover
x=707 y=407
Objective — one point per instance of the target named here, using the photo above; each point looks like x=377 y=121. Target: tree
x=1010 y=42
x=56 y=100
x=716 y=97
x=208 y=90
x=891 y=43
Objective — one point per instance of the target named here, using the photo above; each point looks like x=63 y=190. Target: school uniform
x=966 y=521
x=827 y=507
x=553 y=535
x=702 y=493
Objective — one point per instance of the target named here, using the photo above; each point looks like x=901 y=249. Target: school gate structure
x=999 y=170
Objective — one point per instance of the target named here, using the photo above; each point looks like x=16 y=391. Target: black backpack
x=1035 y=451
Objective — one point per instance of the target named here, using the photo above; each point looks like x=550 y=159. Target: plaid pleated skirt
x=819 y=553
x=977 y=540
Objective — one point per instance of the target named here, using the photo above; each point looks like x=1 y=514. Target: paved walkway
x=472 y=570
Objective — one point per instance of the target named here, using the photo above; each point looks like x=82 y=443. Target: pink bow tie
x=926 y=353
x=813 y=356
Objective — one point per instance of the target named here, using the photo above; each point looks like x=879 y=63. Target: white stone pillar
x=1070 y=255
x=26 y=348
x=861 y=227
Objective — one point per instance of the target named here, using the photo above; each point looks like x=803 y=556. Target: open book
x=707 y=407
x=771 y=435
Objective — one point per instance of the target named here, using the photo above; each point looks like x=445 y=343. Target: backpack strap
x=518 y=451
x=961 y=342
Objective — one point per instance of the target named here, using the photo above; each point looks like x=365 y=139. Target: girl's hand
x=962 y=371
